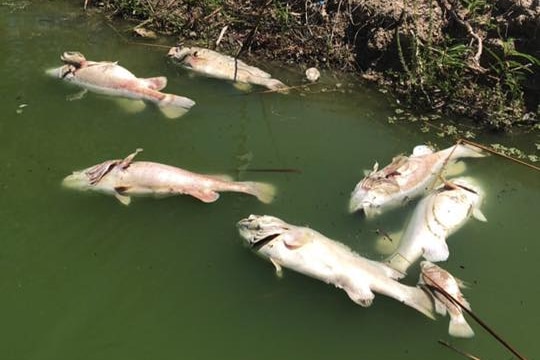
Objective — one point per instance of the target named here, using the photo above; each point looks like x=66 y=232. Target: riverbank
x=471 y=58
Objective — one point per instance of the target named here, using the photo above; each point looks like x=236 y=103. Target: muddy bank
x=475 y=58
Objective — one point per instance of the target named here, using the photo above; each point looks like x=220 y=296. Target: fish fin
x=422 y=150
x=242 y=86
x=386 y=244
x=121 y=189
x=461 y=283
x=440 y=308
x=207 y=196
x=455 y=169
x=155 y=83
x=124 y=199
x=466 y=150
x=174 y=106
x=371 y=211
x=77 y=96
x=478 y=215
x=296 y=241
x=276 y=85
x=459 y=327
x=131 y=106
x=363 y=297
x=263 y=191
x=279 y=269
x=127 y=161
x=436 y=250
x=418 y=299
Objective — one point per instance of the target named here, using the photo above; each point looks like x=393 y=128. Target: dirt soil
x=476 y=58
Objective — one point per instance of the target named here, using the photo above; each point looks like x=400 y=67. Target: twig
x=212 y=13
x=144 y=23
x=467 y=355
x=487 y=148
x=221 y=34
x=476 y=59
x=151 y=8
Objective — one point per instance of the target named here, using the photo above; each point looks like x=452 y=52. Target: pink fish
x=436 y=277
x=406 y=178
x=109 y=78
x=126 y=178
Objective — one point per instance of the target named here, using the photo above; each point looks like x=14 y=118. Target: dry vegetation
x=476 y=58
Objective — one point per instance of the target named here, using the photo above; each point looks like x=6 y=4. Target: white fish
x=437 y=216
x=214 y=64
x=436 y=277
x=311 y=253
x=126 y=178
x=109 y=78
x=405 y=178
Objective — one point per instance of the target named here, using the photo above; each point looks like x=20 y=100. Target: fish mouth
x=364 y=201
x=77 y=180
x=179 y=54
x=259 y=230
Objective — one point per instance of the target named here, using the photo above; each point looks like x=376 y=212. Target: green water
x=84 y=277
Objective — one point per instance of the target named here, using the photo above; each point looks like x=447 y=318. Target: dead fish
x=126 y=178
x=310 y=253
x=436 y=217
x=109 y=78
x=406 y=178
x=436 y=277
x=214 y=64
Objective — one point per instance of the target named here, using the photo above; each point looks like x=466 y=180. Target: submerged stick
x=505 y=343
x=487 y=148
x=467 y=355
x=284 y=170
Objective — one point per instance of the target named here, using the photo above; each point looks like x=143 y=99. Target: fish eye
x=196 y=53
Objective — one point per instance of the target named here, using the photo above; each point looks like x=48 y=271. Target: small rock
x=312 y=74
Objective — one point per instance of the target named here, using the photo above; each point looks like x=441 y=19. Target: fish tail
x=466 y=150
x=174 y=106
x=263 y=191
x=275 y=84
x=418 y=299
x=459 y=327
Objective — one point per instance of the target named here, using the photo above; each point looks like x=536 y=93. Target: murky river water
x=84 y=277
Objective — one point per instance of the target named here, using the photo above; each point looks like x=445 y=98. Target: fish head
x=196 y=58
x=185 y=55
x=62 y=72
x=258 y=230
x=370 y=195
x=87 y=179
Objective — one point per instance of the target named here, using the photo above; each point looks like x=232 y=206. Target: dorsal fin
x=97 y=172
x=127 y=161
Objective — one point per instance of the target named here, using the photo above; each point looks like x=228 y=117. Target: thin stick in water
x=467 y=355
